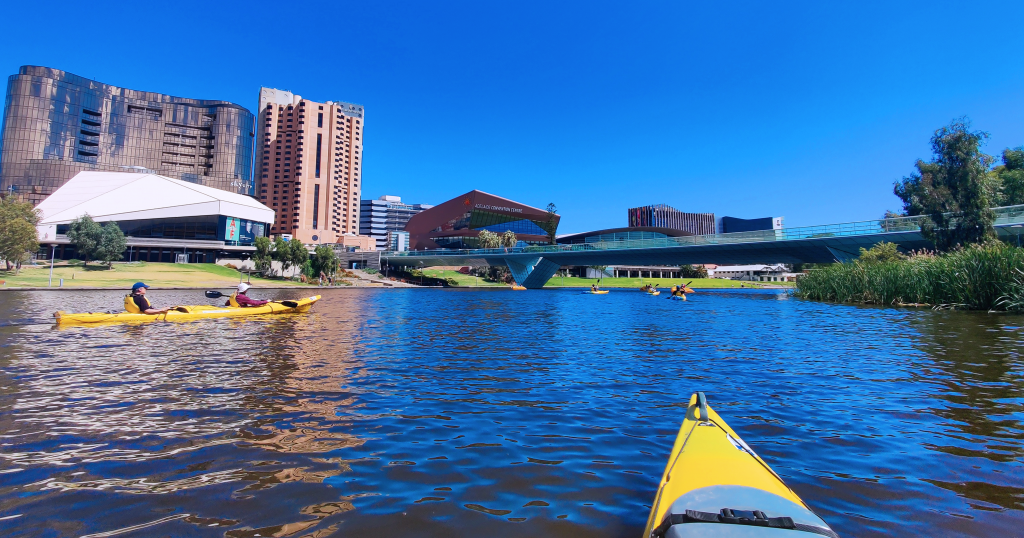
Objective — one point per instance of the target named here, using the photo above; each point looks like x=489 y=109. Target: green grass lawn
x=124 y=275
x=463 y=280
x=663 y=283
x=575 y=282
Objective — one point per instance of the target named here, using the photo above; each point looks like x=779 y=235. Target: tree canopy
x=18 y=234
x=92 y=241
x=953 y=189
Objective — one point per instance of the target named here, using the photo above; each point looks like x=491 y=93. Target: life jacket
x=233 y=302
x=130 y=306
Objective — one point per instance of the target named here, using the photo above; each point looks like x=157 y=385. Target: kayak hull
x=710 y=469
x=184 y=313
x=601 y=292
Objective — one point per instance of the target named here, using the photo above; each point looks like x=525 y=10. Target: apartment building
x=309 y=167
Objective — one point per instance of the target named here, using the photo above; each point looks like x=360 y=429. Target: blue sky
x=755 y=109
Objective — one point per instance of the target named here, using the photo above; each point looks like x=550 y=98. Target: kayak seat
x=702 y=512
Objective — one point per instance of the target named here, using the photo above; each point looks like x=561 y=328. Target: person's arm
x=245 y=301
x=157 y=311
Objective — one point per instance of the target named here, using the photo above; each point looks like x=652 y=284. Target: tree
x=689 y=271
x=881 y=253
x=85 y=234
x=263 y=255
x=508 y=239
x=282 y=253
x=324 y=261
x=489 y=239
x=1010 y=176
x=297 y=253
x=953 y=190
x=112 y=244
x=92 y=241
x=18 y=234
x=552 y=222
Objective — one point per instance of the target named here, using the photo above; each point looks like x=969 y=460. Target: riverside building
x=384 y=219
x=663 y=216
x=309 y=167
x=57 y=124
x=457 y=223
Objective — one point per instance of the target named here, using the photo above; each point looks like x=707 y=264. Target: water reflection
x=465 y=412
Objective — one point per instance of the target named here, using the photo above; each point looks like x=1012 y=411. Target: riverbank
x=123 y=275
x=989 y=277
x=608 y=282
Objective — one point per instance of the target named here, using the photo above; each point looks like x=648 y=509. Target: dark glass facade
x=57 y=124
x=231 y=230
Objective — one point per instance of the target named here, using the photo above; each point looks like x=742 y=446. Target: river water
x=420 y=412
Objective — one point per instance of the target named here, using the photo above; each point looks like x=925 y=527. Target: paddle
x=212 y=294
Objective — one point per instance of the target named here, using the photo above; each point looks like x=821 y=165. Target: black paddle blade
x=214 y=294
x=290 y=304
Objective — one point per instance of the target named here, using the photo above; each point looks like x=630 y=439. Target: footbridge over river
x=533 y=266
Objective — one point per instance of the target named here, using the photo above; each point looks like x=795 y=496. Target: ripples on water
x=538 y=413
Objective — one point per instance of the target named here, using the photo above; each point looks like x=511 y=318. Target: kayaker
x=138 y=298
x=243 y=300
x=593 y=287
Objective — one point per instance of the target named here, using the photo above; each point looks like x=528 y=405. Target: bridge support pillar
x=532 y=273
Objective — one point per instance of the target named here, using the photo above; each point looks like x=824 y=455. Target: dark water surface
x=497 y=413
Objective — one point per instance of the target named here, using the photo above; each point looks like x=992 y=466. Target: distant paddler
x=137 y=303
x=240 y=299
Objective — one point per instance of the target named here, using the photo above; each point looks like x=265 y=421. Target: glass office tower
x=57 y=124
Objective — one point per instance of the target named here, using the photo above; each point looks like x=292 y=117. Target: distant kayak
x=676 y=298
x=600 y=292
x=186 y=313
x=655 y=293
x=517 y=288
x=715 y=485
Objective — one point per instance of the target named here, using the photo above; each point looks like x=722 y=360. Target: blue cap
x=138 y=285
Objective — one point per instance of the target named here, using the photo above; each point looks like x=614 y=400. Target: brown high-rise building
x=309 y=167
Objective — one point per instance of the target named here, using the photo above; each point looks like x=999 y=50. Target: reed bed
x=979 y=277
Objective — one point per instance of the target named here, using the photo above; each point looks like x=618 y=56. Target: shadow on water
x=441 y=412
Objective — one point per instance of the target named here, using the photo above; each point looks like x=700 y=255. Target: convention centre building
x=164 y=219
x=457 y=223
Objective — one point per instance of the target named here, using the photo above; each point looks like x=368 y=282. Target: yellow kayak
x=715 y=485
x=518 y=288
x=599 y=292
x=654 y=293
x=185 y=313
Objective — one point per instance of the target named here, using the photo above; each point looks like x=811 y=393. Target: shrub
x=977 y=277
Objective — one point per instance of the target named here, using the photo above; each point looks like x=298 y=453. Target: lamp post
x=53 y=252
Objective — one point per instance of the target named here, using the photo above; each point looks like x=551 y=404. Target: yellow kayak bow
x=716 y=486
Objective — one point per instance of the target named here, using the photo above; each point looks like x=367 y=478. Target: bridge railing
x=1004 y=216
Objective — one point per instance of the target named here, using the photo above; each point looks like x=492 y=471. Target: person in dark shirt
x=139 y=297
x=245 y=301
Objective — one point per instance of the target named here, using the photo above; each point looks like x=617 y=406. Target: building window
x=320 y=119
x=316 y=204
x=319 y=139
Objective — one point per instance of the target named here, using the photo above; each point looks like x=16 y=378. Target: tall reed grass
x=981 y=277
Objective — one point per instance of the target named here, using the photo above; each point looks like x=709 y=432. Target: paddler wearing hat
x=242 y=300
x=139 y=300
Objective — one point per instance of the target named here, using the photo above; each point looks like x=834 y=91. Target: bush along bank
x=978 y=277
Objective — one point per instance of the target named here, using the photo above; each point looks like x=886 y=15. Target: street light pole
x=53 y=252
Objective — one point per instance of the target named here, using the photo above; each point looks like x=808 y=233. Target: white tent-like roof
x=119 y=196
